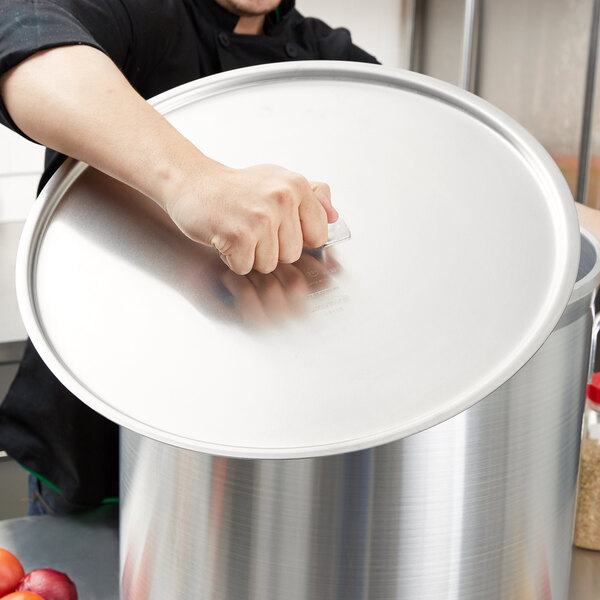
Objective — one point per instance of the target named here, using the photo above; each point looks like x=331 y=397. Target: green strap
x=49 y=484
x=45 y=481
x=110 y=501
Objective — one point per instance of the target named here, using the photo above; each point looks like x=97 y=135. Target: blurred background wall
x=528 y=57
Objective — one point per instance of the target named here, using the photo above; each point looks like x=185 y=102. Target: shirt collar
x=227 y=21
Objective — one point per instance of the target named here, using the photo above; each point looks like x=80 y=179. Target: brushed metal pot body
x=480 y=506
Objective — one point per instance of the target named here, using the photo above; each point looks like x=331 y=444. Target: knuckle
x=283 y=197
x=262 y=217
x=231 y=237
x=297 y=181
x=325 y=190
x=237 y=237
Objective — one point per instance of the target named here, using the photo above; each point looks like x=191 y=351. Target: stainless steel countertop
x=84 y=547
x=12 y=330
x=87 y=549
x=585 y=575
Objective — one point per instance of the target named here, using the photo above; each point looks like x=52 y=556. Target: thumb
x=323 y=195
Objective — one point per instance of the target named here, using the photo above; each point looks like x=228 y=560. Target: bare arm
x=75 y=100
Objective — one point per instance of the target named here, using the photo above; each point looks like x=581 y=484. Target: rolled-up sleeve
x=29 y=26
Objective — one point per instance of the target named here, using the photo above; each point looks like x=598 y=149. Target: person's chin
x=249 y=8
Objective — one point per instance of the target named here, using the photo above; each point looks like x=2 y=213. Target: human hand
x=255 y=217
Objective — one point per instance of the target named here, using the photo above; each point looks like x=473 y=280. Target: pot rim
x=587 y=284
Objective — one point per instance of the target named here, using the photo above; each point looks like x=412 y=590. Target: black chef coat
x=158 y=44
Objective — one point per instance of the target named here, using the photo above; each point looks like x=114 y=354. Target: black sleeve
x=28 y=26
x=336 y=44
x=130 y=32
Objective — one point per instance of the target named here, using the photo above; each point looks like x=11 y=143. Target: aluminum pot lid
x=463 y=252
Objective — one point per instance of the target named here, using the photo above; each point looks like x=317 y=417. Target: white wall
x=375 y=24
x=21 y=163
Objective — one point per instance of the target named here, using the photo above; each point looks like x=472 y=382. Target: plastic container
x=587 y=520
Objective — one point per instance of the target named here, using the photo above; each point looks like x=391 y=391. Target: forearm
x=76 y=101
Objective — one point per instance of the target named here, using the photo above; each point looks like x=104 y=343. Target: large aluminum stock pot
x=480 y=506
x=396 y=415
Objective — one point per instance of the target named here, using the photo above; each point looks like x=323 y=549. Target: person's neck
x=250 y=25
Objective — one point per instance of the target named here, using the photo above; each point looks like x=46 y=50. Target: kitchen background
x=534 y=59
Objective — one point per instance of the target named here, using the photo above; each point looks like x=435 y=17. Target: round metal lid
x=463 y=253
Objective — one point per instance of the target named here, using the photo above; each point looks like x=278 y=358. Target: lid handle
x=337 y=232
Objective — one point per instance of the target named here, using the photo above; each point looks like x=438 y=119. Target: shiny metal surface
x=480 y=506
x=585 y=147
x=407 y=35
x=445 y=197
x=470 y=46
x=66 y=542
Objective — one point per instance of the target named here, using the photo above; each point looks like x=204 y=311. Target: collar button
x=291 y=50
x=223 y=39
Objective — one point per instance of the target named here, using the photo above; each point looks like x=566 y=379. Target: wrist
x=178 y=178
